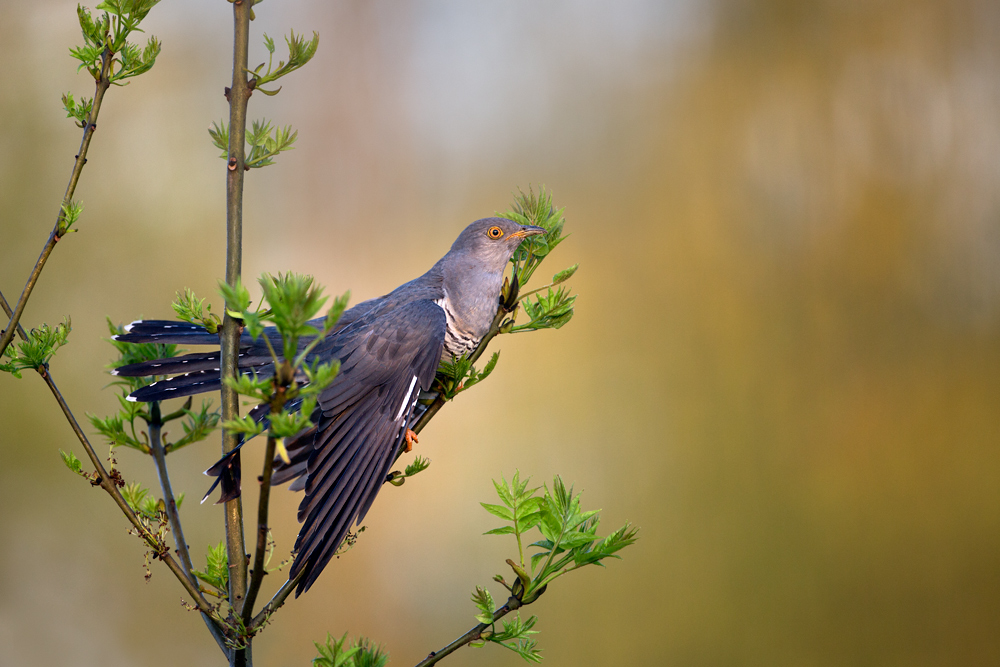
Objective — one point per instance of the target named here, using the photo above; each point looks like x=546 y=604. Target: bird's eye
x=494 y=232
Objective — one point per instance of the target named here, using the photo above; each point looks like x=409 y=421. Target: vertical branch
x=170 y=503
x=257 y=574
x=103 y=82
x=237 y=94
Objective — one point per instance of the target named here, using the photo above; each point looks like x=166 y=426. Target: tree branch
x=110 y=484
x=258 y=572
x=472 y=635
x=81 y=159
x=237 y=94
x=279 y=599
x=160 y=457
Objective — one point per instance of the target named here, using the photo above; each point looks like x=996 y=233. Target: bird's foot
x=411 y=439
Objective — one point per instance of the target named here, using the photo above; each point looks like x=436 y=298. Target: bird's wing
x=365 y=414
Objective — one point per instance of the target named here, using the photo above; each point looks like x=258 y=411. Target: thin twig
x=159 y=455
x=107 y=482
x=472 y=635
x=258 y=572
x=102 y=84
x=237 y=94
x=110 y=485
x=279 y=599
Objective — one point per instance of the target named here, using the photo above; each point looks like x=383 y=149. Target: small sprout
x=37 y=350
x=333 y=654
x=484 y=603
x=216 y=572
x=300 y=52
x=73 y=463
x=192 y=309
x=564 y=275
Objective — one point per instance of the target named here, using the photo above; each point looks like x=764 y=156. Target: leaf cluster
x=143 y=502
x=569 y=542
x=300 y=52
x=515 y=636
x=293 y=301
x=79 y=111
x=550 y=310
x=459 y=374
x=264 y=142
x=532 y=209
x=190 y=308
x=37 y=350
x=106 y=38
x=216 y=572
x=569 y=533
x=418 y=465
x=339 y=653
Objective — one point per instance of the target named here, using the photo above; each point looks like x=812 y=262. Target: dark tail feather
x=299 y=449
x=227 y=469
x=227 y=472
x=197 y=382
x=167 y=331
x=198 y=361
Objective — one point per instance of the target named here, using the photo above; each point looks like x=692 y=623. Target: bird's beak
x=528 y=230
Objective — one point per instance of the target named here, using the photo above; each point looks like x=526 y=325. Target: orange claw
x=411 y=438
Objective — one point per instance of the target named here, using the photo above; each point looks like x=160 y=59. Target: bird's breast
x=458 y=339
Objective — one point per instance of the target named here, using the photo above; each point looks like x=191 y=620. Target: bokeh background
x=784 y=366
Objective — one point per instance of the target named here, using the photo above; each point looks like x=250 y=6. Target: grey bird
x=389 y=350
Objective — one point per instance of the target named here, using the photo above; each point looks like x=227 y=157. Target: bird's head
x=493 y=240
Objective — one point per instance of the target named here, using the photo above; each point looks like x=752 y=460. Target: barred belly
x=456 y=340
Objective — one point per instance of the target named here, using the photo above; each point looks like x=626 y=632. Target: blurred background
x=784 y=365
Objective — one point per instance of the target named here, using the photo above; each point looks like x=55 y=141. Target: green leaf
x=220 y=137
x=197 y=426
x=266 y=142
x=484 y=602
x=36 y=352
x=140 y=500
x=370 y=654
x=499 y=511
x=299 y=53
x=333 y=653
x=73 y=463
x=504 y=530
x=192 y=309
x=245 y=425
x=216 y=572
x=565 y=274
x=516 y=636
x=419 y=464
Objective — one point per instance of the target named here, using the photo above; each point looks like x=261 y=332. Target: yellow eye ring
x=494 y=232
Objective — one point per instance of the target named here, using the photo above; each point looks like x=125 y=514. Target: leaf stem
x=102 y=84
x=258 y=571
x=472 y=635
x=279 y=599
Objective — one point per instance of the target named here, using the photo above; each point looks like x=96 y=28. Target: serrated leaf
x=498 y=510
x=484 y=602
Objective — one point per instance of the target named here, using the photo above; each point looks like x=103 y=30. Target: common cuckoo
x=389 y=350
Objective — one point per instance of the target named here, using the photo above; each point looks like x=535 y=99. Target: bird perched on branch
x=389 y=350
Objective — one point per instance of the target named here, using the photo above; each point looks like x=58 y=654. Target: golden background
x=784 y=365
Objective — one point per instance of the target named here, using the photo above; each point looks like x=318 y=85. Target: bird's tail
x=194 y=373
x=227 y=469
